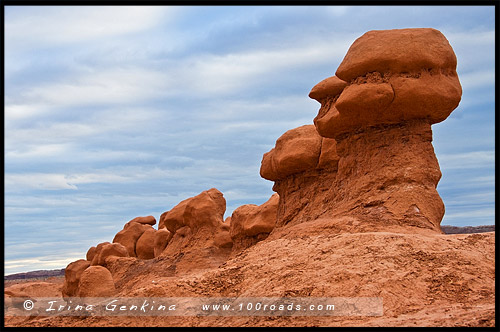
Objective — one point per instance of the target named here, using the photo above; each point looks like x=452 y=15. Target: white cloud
x=481 y=180
x=19 y=111
x=454 y=181
x=216 y=75
x=32 y=26
x=472 y=159
x=116 y=86
x=44 y=181
x=39 y=151
x=81 y=139
x=113 y=86
x=127 y=174
x=478 y=79
x=40 y=263
x=467 y=198
x=14 y=182
x=472 y=214
x=337 y=11
x=470 y=39
x=51 y=133
x=474 y=49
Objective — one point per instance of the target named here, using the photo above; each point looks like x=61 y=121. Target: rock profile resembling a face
x=369 y=154
x=389 y=89
x=389 y=77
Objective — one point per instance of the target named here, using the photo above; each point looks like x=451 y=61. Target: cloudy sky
x=117 y=112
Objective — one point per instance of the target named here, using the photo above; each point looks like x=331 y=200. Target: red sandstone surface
x=356 y=214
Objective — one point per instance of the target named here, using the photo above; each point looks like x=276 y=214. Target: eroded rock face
x=252 y=223
x=296 y=150
x=129 y=235
x=161 y=239
x=304 y=167
x=394 y=180
x=146 y=244
x=96 y=281
x=72 y=275
x=94 y=253
x=222 y=237
x=199 y=237
x=205 y=209
x=397 y=83
x=148 y=220
x=106 y=250
x=91 y=253
x=391 y=76
x=174 y=218
x=375 y=160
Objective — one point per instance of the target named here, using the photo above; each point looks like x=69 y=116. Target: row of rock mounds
x=367 y=162
x=193 y=232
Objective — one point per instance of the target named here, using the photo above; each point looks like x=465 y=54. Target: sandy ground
x=424 y=280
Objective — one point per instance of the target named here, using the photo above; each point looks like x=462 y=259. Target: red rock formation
x=129 y=235
x=94 y=253
x=397 y=83
x=391 y=76
x=222 y=237
x=251 y=223
x=107 y=250
x=366 y=164
x=198 y=232
x=96 y=281
x=149 y=220
x=384 y=180
x=72 y=275
x=145 y=244
x=162 y=237
x=304 y=167
x=174 y=217
x=376 y=161
x=90 y=253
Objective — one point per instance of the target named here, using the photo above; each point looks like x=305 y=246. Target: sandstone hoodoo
x=199 y=237
x=72 y=276
x=149 y=220
x=145 y=246
x=93 y=253
x=391 y=76
x=390 y=88
x=162 y=237
x=108 y=250
x=304 y=167
x=129 y=236
x=251 y=223
x=96 y=281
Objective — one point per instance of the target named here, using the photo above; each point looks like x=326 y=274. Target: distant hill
x=35 y=274
x=467 y=229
